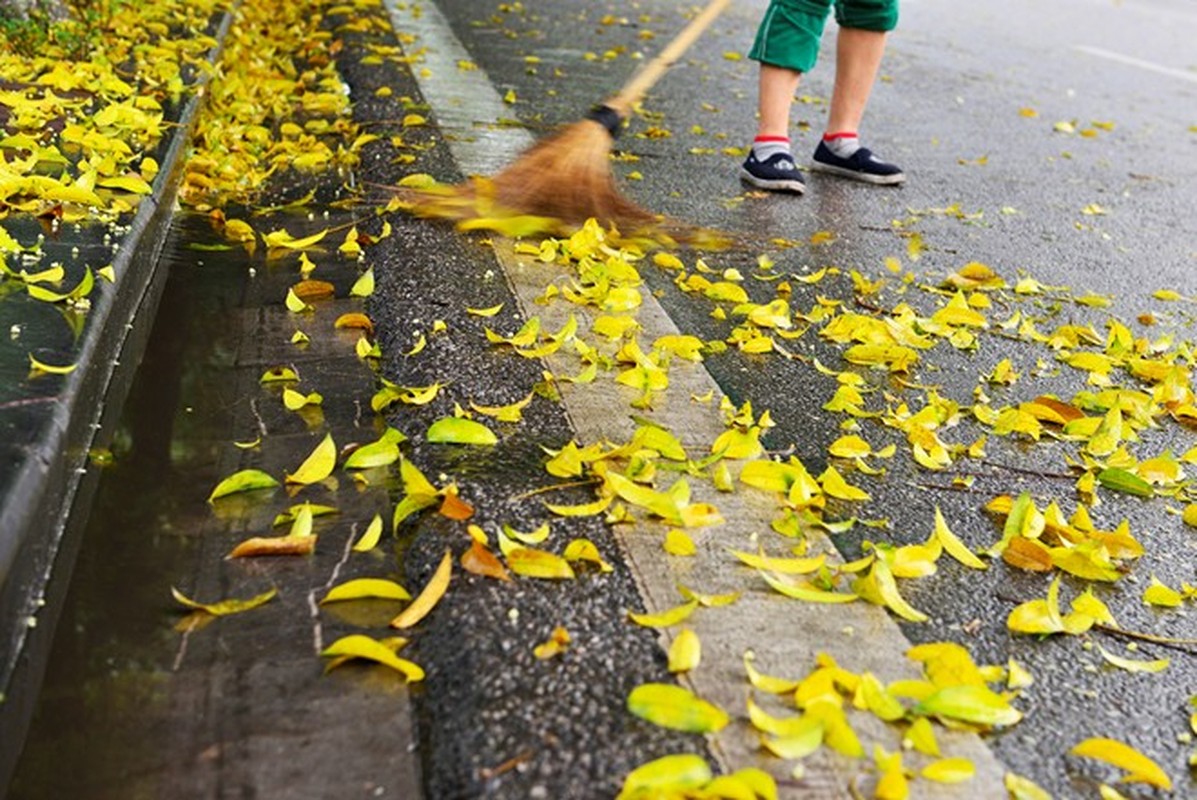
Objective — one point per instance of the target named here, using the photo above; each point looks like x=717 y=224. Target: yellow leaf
x=664 y=619
x=767 y=683
x=485 y=312
x=975 y=704
x=784 y=566
x=949 y=770
x=921 y=736
x=1021 y=788
x=533 y=563
x=431 y=594
x=366 y=587
x=508 y=413
x=364 y=285
x=294 y=304
x=685 y=651
x=806 y=591
x=676 y=708
x=585 y=550
x=834 y=485
x=1161 y=595
x=280 y=238
x=799 y=737
x=38 y=367
x=849 y=447
x=1132 y=664
x=953 y=546
x=359 y=646
x=370 y=537
x=1139 y=768
x=224 y=607
x=672 y=774
x=318 y=465
x=887 y=588
x=583 y=510
x=679 y=543
x=556 y=644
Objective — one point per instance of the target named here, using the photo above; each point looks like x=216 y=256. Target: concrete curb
x=42 y=512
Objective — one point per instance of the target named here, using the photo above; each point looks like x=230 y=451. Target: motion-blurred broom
x=567 y=176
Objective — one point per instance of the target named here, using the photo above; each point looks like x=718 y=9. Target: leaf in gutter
x=223 y=608
x=360 y=588
x=243 y=481
x=359 y=646
x=370 y=537
x=429 y=596
x=318 y=465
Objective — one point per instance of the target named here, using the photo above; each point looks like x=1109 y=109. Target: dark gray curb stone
x=45 y=502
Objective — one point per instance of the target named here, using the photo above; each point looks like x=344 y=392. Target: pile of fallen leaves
x=80 y=129
x=277 y=103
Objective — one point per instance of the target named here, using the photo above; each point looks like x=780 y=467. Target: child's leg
x=777 y=86
x=857 y=58
x=786 y=45
x=859 y=48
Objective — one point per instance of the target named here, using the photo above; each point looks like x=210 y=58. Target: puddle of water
x=114 y=647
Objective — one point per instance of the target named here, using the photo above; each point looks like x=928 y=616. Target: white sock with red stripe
x=765 y=147
x=842 y=143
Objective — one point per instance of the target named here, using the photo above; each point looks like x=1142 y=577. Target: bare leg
x=857 y=58
x=777 y=87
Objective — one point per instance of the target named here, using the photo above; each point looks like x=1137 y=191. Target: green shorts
x=790 y=33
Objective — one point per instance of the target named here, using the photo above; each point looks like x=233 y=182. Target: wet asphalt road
x=968 y=105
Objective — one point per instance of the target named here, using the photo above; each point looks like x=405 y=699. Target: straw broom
x=567 y=176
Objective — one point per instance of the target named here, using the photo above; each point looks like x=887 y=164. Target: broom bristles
x=568 y=176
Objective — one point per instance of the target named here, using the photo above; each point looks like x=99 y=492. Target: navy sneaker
x=778 y=173
x=861 y=165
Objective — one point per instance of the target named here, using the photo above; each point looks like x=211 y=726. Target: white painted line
x=785 y=634
x=1150 y=66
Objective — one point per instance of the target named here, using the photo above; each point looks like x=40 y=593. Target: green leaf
x=1119 y=480
x=458 y=430
x=670 y=774
x=676 y=708
x=244 y=481
x=975 y=704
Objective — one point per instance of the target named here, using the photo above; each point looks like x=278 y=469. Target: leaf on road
x=1139 y=768
x=1132 y=664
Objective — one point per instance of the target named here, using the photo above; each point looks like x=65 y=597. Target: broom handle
x=643 y=80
